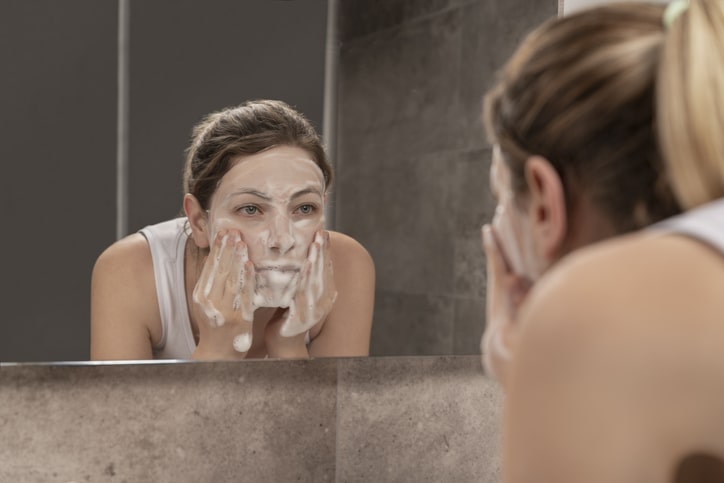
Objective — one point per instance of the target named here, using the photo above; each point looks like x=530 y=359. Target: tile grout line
x=122 y=119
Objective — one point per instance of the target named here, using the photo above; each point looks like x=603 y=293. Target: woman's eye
x=248 y=210
x=306 y=209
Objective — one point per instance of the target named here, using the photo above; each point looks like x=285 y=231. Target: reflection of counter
x=380 y=419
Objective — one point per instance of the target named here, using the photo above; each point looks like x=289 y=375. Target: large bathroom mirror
x=400 y=106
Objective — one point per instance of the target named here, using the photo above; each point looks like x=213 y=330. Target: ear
x=198 y=220
x=547 y=207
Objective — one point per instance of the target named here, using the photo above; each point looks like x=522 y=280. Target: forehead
x=280 y=166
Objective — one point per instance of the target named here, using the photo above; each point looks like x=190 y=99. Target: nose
x=281 y=237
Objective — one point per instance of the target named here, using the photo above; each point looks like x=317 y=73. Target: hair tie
x=673 y=11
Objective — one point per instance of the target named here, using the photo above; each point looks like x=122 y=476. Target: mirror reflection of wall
x=59 y=121
x=413 y=161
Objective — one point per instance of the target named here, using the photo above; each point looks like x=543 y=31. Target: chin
x=275 y=288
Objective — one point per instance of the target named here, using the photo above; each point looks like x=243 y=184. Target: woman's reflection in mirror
x=249 y=270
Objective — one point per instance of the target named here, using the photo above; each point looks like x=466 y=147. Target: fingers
x=226 y=271
x=495 y=263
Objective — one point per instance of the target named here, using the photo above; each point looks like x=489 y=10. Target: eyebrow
x=248 y=191
x=265 y=197
x=307 y=191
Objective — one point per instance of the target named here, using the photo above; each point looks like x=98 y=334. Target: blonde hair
x=580 y=91
x=690 y=97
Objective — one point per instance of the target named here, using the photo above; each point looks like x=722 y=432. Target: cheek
x=255 y=237
x=304 y=231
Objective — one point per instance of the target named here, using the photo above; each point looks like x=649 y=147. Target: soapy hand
x=505 y=293
x=314 y=296
x=223 y=299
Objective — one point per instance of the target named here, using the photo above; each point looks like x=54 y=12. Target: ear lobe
x=547 y=206
x=198 y=221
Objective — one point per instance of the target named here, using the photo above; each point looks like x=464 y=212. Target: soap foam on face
x=274 y=287
x=242 y=342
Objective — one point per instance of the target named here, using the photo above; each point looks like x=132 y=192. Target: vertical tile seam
x=122 y=119
x=329 y=107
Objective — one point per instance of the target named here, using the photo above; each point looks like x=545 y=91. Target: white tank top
x=168 y=243
x=704 y=223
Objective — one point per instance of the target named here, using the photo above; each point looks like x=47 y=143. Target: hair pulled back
x=581 y=91
x=246 y=129
x=690 y=100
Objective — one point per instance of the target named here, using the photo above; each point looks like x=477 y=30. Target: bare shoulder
x=651 y=278
x=348 y=253
x=624 y=330
x=125 y=319
x=127 y=254
x=347 y=329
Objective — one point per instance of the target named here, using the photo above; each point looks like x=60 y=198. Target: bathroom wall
x=59 y=96
x=403 y=419
x=58 y=128
x=412 y=159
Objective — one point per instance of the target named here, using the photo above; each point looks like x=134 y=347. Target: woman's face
x=511 y=223
x=276 y=200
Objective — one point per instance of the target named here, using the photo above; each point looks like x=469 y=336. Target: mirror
x=407 y=141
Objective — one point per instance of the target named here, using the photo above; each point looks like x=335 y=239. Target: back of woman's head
x=691 y=102
x=581 y=92
x=247 y=129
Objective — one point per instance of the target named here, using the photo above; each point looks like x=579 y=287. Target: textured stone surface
x=418 y=419
x=386 y=419
x=183 y=422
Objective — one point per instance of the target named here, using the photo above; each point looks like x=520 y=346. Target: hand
x=313 y=299
x=505 y=293
x=223 y=299
x=280 y=347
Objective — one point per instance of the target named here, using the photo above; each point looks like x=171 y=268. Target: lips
x=277 y=268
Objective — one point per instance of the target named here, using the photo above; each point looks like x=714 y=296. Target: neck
x=586 y=225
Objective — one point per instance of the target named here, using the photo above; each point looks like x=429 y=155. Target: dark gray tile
x=469 y=264
x=469 y=325
x=58 y=93
x=415 y=419
x=412 y=324
x=402 y=211
x=363 y=17
x=187 y=422
x=490 y=33
x=398 y=90
x=474 y=205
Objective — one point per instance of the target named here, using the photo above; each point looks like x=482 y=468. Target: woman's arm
x=124 y=307
x=347 y=329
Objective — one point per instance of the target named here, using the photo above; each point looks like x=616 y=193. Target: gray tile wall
x=403 y=419
x=412 y=159
x=58 y=129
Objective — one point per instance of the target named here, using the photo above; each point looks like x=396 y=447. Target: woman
x=617 y=371
x=575 y=158
x=249 y=271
